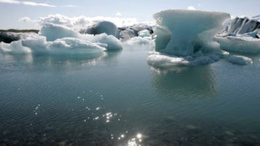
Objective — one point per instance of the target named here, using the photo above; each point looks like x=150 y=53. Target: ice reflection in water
x=189 y=81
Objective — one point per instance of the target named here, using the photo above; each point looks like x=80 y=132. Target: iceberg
x=111 y=42
x=126 y=34
x=15 y=47
x=68 y=46
x=139 y=41
x=160 y=60
x=74 y=46
x=242 y=25
x=163 y=61
x=186 y=38
x=241 y=35
x=100 y=27
x=55 y=31
x=144 y=34
x=58 y=39
x=241 y=44
x=239 y=60
x=184 y=32
x=142 y=30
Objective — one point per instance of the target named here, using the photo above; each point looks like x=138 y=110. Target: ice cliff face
x=241 y=35
x=178 y=32
x=242 y=26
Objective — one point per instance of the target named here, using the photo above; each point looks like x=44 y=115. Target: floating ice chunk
x=60 y=46
x=240 y=60
x=240 y=44
x=74 y=46
x=141 y=30
x=144 y=33
x=159 y=60
x=126 y=34
x=100 y=27
x=14 y=47
x=37 y=44
x=139 y=41
x=164 y=61
x=204 y=60
x=140 y=27
x=112 y=42
x=55 y=31
x=177 y=31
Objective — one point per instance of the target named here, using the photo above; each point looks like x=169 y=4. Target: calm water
x=118 y=99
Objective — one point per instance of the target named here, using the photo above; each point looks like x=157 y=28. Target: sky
x=20 y=14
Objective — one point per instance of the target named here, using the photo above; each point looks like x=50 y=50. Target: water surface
x=118 y=99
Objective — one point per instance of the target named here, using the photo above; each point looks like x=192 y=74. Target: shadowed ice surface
x=118 y=99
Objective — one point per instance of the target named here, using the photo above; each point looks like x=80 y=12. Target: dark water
x=118 y=99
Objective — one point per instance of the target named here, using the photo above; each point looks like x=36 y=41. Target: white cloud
x=28 y=3
x=25 y=19
x=70 y=6
x=191 y=8
x=80 y=22
x=10 y=1
x=37 y=4
x=118 y=14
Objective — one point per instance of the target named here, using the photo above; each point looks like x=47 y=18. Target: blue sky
x=12 y=10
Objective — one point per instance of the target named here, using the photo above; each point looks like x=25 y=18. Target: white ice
x=178 y=31
x=239 y=60
x=57 y=39
x=242 y=44
x=100 y=27
x=160 y=60
x=55 y=31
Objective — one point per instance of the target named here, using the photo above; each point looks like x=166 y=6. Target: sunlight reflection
x=135 y=141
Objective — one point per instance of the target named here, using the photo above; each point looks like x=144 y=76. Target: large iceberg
x=57 y=39
x=241 y=35
x=183 y=32
x=39 y=45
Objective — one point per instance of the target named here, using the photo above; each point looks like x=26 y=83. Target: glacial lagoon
x=118 y=99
